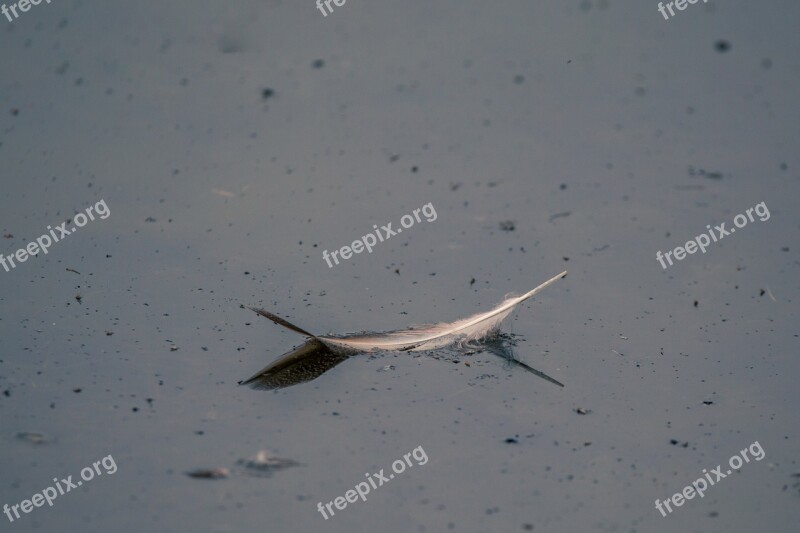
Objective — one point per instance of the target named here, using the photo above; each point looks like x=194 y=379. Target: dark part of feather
x=304 y=363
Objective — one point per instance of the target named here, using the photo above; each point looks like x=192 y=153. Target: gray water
x=234 y=143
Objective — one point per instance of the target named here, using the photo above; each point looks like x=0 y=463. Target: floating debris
x=769 y=293
x=73 y=270
x=722 y=46
x=507 y=225
x=212 y=473
x=705 y=173
x=32 y=437
x=264 y=463
x=795 y=485
x=582 y=411
x=386 y=368
x=223 y=192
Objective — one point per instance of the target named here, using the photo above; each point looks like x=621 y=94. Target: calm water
x=234 y=143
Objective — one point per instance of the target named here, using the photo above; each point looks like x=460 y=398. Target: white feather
x=321 y=353
x=435 y=336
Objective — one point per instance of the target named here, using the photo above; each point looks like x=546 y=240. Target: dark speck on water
x=560 y=215
x=701 y=172
x=507 y=225
x=209 y=473
x=32 y=437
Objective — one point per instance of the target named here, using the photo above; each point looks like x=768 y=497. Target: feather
x=428 y=337
x=320 y=353
x=468 y=329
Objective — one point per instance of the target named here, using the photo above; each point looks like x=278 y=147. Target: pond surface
x=234 y=144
